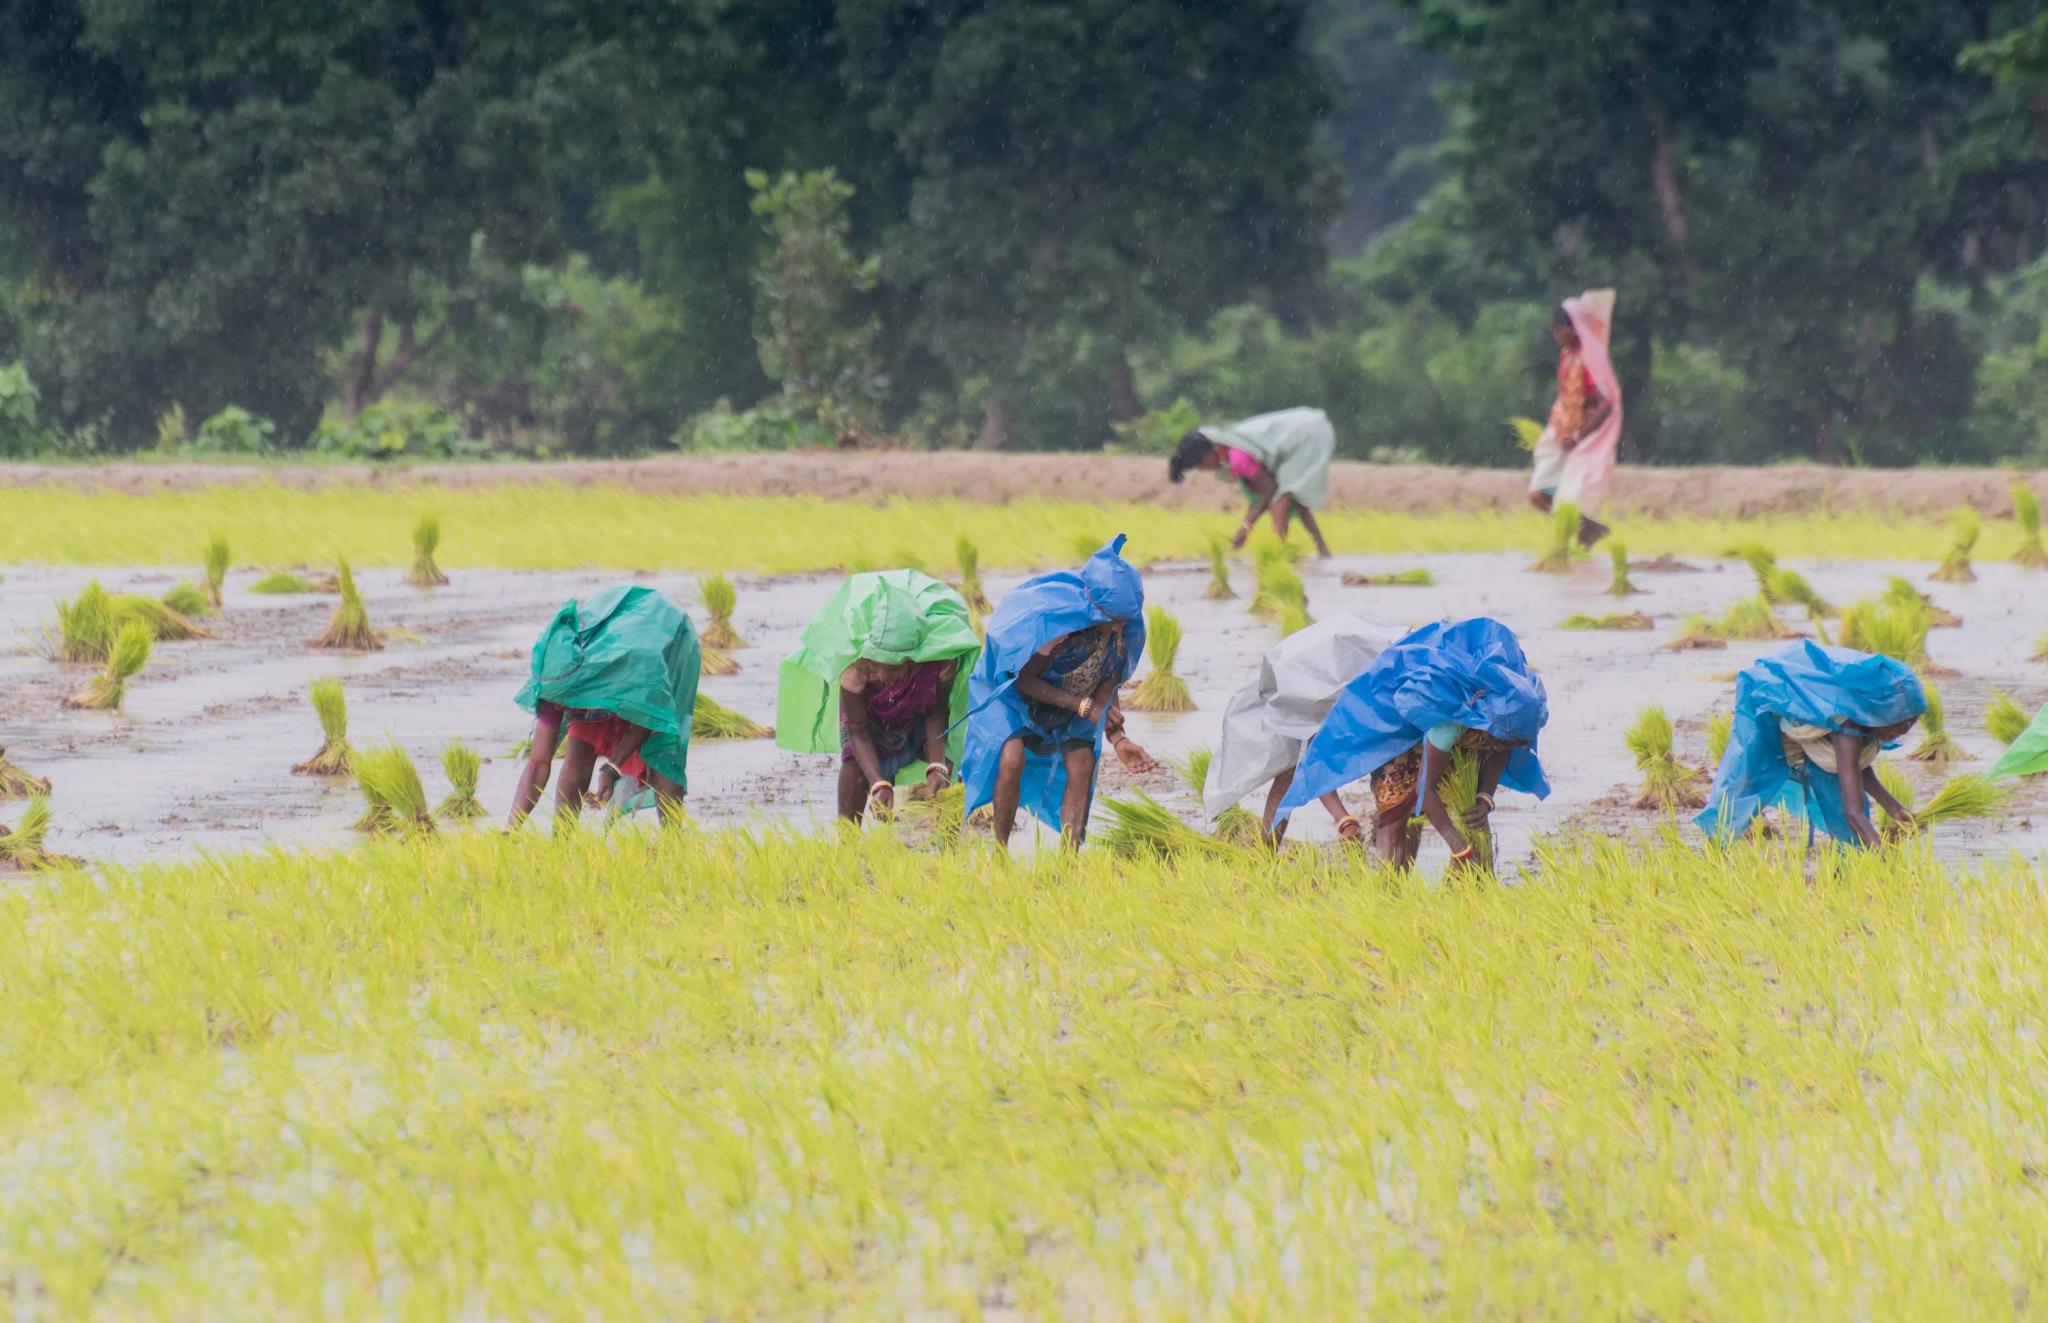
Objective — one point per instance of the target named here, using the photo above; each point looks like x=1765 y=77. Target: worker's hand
x=882 y=799
x=1350 y=830
x=1900 y=829
x=1237 y=539
x=1479 y=816
x=1133 y=756
x=935 y=780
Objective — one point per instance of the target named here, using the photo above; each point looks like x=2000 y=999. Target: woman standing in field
x=1044 y=693
x=1282 y=460
x=1576 y=452
x=620 y=669
x=1445 y=690
x=1270 y=721
x=1810 y=722
x=880 y=678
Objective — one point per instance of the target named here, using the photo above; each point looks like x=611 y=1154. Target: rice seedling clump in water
x=1397 y=579
x=713 y=720
x=125 y=660
x=1627 y=620
x=165 y=625
x=1219 y=589
x=2004 y=720
x=1720 y=727
x=1619 y=584
x=1955 y=566
x=1750 y=618
x=188 y=599
x=1142 y=827
x=1668 y=785
x=971 y=590
x=334 y=758
x=280 y=583
x=1564 y=536
x=719 y=597
x=1893 y=627
x=18 y=784
x=463 y=765
x=426 y=540
x=349 y=628
x=2026 y=508
x=1936 y=744
x=1970 y=795
x=394 y=798
x=85 y=626
x=24 y=848
x=1279 y=584
x=216 y=564
x=1161 y=690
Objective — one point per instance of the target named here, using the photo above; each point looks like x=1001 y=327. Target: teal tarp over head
x=628 y=651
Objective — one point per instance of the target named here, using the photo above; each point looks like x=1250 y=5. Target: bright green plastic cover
x=890 y=616
x=628 y=651
x=2028 y=755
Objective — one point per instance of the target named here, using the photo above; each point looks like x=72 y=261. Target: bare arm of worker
x=1128 y=751
x=539 y=764
x=1263 y=491
x=860 y=734
x=1436 y=766
x=1597 y=415
x=1849 y=776
x=1491 y=768
x=1283 y=509
x=937 y=771
x=1308 y=521
x=1889 y=802
x=607 y=785
x=1333 y=803
x=1031 y=683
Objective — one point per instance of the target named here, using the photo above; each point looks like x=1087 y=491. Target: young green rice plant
x=335 y=757
x=1890 y=627
x=1626 y=620
x=2004 y=720
x=1965 y=527
x=1763 y=563
x=1527 y=432
x=1219 y=589
x=940 y=816
x=216 y=565
x=463 y=765
x=188 y=599
x=1936 y=744
x=24 y=847
x=280 y=583
x=1618 y=583
x=1901 y=592
x=2040 y=653
x=1791 y=587
x=348 y=628
x=1970 y=795
x=1161 y=690
x=1278 y=584
x=713 y=720
x=1237 y=824
x=1564 y=540
x=1720 y=728
x=1294 y=617
x=127 y=657
x=1397 y=579
x=1895 y=783
x=719 y=597
x=1695 y=633
x=715 y=661
x=1141 y=827
x=394 y=798
x=165 y=625
x=969 y=557
x=426 y=540
x=1751 y=618
x=2026 y=508
x=1668 y=785
x=18 y=784
x=85 y=626
x=1460 y=792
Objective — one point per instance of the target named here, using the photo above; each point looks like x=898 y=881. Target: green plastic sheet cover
x=628 y=651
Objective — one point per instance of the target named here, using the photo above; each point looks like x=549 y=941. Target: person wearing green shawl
x=1282 y=459
x=880 y=678
x=2027 y=755
x=620 y=670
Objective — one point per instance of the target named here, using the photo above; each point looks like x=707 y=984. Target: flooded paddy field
x=200 y=758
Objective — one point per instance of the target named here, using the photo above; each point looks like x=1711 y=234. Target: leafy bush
x=398 y=429
x=1158 y=430
x=772 y=425
x=20 y=402
x=233 y=431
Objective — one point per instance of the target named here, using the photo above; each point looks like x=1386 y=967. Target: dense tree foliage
x=603 y=227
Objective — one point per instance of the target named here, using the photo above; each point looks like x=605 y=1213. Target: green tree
x=815 y=335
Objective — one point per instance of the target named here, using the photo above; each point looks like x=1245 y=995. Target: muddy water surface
x=200 y=759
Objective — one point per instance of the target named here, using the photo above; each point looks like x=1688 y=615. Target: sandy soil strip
x=1723 y=492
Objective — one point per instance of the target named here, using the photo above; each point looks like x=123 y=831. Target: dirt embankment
x=1653 y=492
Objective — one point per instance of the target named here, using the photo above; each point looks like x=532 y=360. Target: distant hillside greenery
x=421 y=230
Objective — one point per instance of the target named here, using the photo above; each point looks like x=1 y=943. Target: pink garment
x=1242 y=464
x=1589 y=467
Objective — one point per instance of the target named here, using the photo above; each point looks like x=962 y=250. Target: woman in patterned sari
x=1576 y=453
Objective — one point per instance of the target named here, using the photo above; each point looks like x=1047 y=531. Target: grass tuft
x=1668 y=785
x=335 y=757
x=125 y=659
x=1965 y=527
x=1564 y=541
x=348 y=629
x=1161 y=690
x=719 y=597
x=394 y=798
x=2004 y=719
x=462 y=765
x=426 y=540
x=1936 y=744
x=85 y=627
x=713 y=720
x=2026 y=508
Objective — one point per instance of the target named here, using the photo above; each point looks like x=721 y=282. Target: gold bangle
x=1087 y=705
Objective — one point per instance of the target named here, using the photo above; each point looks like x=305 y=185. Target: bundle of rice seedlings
x=1142 y=827
x=1278 y=584
x=1219 y=589
x=970 y=576
x=129 y=654
x=279 y=583
x=2004 y=719
x=349 y=627
x=1695 y=633
x=1398 y=579
x=85 y=626
x=1895 y=783
x=715 y=661
x=719 y=599
x=18 y=784
x=1720 y=728
x=1751 y=618
x=713 y=720
x=188 y=599
x=2026 y=507
x=1936 y=744
x=1619 y=585
x=463 y=765
x=1161 y=690
x=1898 y=590
x=1237 y=824
x=1955 y=565
x=1790 y=586
x=23 y=847
x=1085 y=545
x=1763 y=563
x=1527 y=432
x=395 y=800
x=335 y=758
x=525 y=744
x=1893 y=627
x=426 y=539
x=1668 y=785
x=1970 y=795
x=1460 y=791
x=941 y=815
x=1294 y=617
x=165 y=625
x=216 y=563
x=1624 y=620
x=1564 y=539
